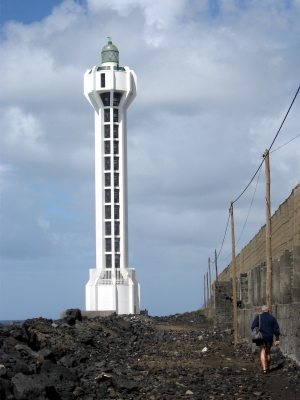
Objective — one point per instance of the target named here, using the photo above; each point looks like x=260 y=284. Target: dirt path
x=238 y=363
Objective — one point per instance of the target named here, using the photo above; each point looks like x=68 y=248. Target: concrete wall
x=251 y=286
x=287 y=315
x=251 y=295
x=251 y=280
x=223 y=310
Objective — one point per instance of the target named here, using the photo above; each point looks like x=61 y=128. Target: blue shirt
x=268 y=326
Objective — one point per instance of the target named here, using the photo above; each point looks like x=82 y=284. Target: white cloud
x=43 y=223
x=213 y=87
x=22 y=130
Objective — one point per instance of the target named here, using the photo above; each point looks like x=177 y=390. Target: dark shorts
x=264 y=342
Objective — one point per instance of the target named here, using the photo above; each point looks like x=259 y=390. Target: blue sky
x=215 y=79
x=26 y=11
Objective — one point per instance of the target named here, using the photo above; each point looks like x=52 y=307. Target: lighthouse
x=110 y=89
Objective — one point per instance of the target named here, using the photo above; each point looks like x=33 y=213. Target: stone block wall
x=287 y=315
x=242 y=289
x=251 y=295
x=251 y=282
x=251 y=286
x=285 y=224
x=223 y=310
x=295 y=280
x=285 y=281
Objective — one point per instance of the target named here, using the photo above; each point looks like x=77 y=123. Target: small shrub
x=199 y=312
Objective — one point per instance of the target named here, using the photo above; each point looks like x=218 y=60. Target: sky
x=215 y=80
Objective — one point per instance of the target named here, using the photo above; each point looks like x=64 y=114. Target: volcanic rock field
x=180 y=356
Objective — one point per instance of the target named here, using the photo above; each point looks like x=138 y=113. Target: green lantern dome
x=110 y=53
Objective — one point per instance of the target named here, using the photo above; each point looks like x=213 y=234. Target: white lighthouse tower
x=110 y=89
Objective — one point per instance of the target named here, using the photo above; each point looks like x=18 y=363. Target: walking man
x=268 y=327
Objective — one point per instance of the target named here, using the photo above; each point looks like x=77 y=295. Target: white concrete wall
x=106 y=297
x=122 y=298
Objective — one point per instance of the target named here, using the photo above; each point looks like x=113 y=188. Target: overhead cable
x=270 y=146
x=213 y=262
x=224 y=236
x=273 y=151
x=258 y=169
x=246 y=219
x=285 y=118
x=249 y=208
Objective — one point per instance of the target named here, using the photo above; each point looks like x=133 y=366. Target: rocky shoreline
x=135 y=357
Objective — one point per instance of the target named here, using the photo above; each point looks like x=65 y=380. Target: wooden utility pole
x=268 y=232
x=210 y=296
x=204 y=293
x=216 y=264
x=207 y=293
x=235 y=325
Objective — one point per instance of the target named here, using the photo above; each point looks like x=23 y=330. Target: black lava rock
x=134 y=357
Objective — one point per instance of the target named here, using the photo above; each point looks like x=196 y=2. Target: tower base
x=118 y=292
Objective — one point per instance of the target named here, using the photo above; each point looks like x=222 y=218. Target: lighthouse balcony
x=108 y=278
x=108 y=67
